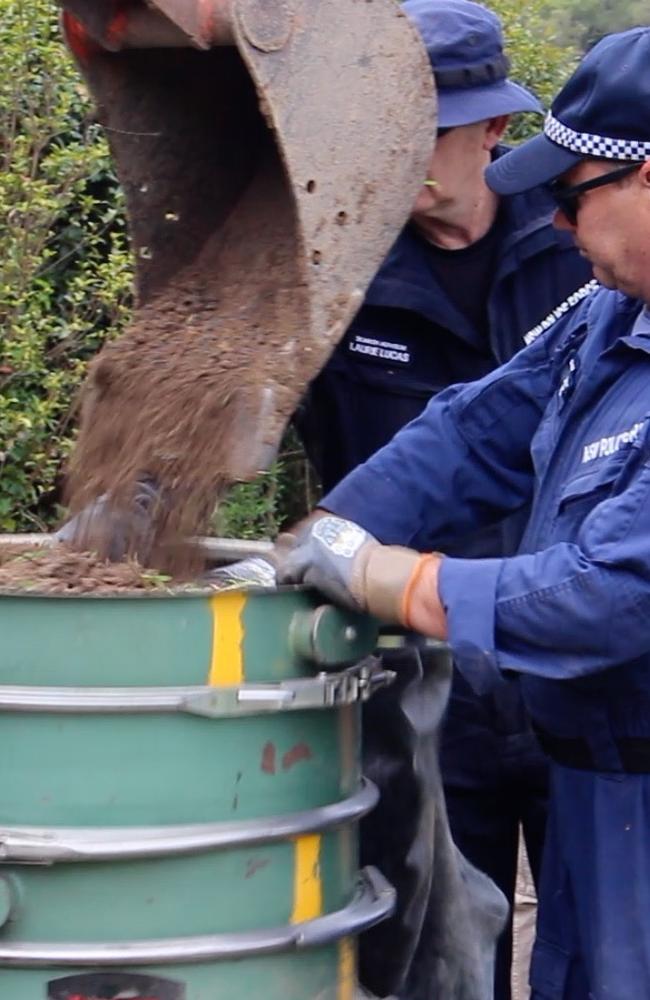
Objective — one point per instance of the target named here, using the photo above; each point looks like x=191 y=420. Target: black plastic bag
x=440 y=942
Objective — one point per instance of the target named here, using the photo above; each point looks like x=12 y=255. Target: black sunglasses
x=567 y=199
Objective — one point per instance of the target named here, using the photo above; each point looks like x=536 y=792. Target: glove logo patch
x=342 y=538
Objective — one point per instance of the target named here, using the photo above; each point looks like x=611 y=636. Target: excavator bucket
x=270 y=152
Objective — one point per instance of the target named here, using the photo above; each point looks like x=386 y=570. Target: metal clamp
x=373 y=900
x=323 y=691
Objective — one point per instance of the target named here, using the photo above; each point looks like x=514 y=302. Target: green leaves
x=65 y=272
x=541 y=60
x=584 y=22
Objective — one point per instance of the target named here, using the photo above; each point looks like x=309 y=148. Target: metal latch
x=325 y=690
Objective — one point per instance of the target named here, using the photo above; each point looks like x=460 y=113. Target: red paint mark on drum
x=297 y=753
x=268 y=758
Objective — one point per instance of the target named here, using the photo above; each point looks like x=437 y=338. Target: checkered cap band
x=594 y=145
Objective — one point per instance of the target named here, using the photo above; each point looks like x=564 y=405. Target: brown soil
x=58 y=570
x=195 y=394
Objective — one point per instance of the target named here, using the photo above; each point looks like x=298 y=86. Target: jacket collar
x=628 y=310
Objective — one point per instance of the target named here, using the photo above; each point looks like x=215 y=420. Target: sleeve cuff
x=468 y=593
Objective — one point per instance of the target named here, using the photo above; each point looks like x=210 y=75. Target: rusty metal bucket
x=270 y=151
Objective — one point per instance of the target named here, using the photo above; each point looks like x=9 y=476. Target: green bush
x=65 y=271
x=275 y=499
x=583 y=22
x=539 y=62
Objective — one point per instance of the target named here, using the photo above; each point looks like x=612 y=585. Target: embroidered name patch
x=383 y=350
x=610 y=445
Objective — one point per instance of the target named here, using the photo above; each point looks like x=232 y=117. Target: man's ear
x=494 y=129
x=644 y=174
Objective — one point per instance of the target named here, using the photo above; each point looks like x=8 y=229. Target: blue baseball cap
x=602 y=111
x=464 y=41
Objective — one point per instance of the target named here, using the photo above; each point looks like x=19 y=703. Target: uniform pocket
x=549 y=970
x=584 y=492
x=596 y=482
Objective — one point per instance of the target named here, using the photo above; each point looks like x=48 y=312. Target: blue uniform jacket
x=566 y=424
x=409 y=341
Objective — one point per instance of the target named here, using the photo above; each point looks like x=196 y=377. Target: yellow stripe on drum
x=227 y=666
x=307 y=886
x=347 y=970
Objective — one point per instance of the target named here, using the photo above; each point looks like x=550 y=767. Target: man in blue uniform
x=566 y=425
x=465 y=282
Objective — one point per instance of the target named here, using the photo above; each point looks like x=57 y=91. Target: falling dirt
x=195 y=394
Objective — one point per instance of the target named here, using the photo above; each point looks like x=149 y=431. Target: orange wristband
x=411 y=584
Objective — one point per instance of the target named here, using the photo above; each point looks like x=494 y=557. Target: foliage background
x=540 y=61
x=584 y=22
x=64 y=262
x=65 y=271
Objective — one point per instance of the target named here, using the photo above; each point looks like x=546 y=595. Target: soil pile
x=195 y=394
x=59 y=570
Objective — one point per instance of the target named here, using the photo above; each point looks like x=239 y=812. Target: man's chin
x=604 y=277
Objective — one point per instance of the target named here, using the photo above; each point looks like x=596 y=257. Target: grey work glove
x=115 y=532
x=348 y=565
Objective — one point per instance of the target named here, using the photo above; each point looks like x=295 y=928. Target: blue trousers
x=593 y=927
x=496 y=779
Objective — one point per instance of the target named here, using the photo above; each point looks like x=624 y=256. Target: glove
x=350 y=566
x=256 y=571
x=114 y=532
